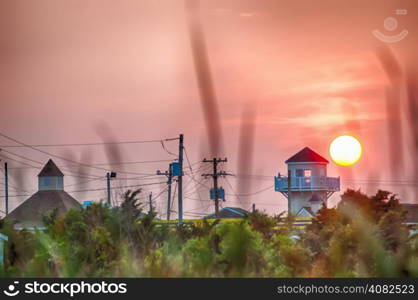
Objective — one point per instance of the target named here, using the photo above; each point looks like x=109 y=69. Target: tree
x=373 y=207
x=131 y=208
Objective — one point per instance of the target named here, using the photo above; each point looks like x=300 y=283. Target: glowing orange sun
x=345 y=150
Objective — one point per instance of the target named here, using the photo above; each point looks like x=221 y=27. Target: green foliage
x=363 y=237
x=262 y=223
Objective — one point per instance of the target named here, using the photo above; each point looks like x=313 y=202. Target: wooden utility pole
x=180 y=179
x=179 y=174
x=109 y=176
x=6 y=188
x=289 y=190
x=150 y=202
x=169 y=181
x=108 y=189
x=215 y=176
x=169 y=175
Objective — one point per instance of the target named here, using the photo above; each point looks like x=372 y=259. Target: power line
x=156 y=197
x=172 y=203
x=254 y=193
x=12 y=186
x=246 y=195
x=77 y=144
x=200 y=183
x=215 y=174
x=84 y=182
x=191 y=171
x=20 y=156
x=195 y=188
x=64 y=167
x=206 y=208
x=68 y=173
x=98 y=189
x=233 y=190
x=166 y=150
x=113 y=163
x=269 y=177
x=198 y=200
x=66 y=159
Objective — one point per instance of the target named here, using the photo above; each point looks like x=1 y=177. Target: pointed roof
x=229 y=212
x=50 y=169
x=305 y=211
x=30 y=213
x=306 y=155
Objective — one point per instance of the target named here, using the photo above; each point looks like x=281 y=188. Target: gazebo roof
x=50 y=169
x=31 y=211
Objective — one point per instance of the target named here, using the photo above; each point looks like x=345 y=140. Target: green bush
x=363 y=237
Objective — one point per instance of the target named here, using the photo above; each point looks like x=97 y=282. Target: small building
x=310 y=187
x=411 y=213
x=411 y=216
x=49 y=197
x=229 y=212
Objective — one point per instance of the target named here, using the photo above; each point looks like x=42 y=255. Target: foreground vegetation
x=363 y=237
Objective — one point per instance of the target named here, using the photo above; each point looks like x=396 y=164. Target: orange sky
x=309 y=68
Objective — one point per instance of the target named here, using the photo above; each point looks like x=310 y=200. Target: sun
x=345 y=150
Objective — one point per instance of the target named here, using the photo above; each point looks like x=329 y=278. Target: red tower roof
x=307 y=155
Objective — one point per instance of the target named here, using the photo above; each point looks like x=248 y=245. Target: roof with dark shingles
x=230 y=212
x=412 y=212
x=31 y=211
x=306 y=155
x=50 y=169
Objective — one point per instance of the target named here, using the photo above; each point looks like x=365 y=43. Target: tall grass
x=363 y=237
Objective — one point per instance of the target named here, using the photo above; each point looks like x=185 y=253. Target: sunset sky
x=89 y=71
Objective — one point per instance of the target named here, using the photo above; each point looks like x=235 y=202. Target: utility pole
x=169 y=175
x=150 y=202
x=108 y=189
x=289 y=190
x=109 y=176
x=180 y=179
x=169 y=181
x=6 y=188
x=179 y=173
x=215 y=176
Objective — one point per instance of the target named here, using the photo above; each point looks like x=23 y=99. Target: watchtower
x=310 y=186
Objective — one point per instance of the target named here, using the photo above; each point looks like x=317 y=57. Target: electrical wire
x=191 y=171
x=66 y=159
x=166 y=150
x=68 y=173
x=78 y=144
x=98 y=189
x=233 y=190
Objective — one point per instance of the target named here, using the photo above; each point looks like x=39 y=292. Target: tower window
x=303 y=172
